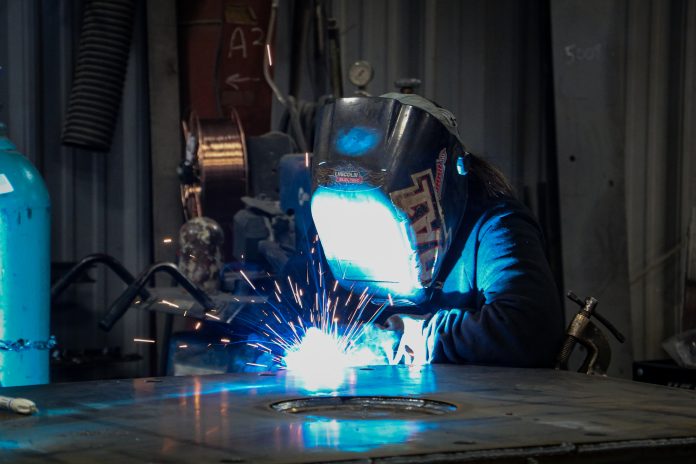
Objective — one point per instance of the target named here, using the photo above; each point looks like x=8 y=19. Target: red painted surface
x=231 y=33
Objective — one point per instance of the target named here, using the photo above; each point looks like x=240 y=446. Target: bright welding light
x=318 y=360
x=412 y=346
x=316 y=352
x=321 y=356
x=365 y=238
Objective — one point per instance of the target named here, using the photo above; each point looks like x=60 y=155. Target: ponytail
x=491 y=178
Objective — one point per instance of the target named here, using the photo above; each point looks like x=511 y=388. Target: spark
x=183 y=346
x=198 y=325
x=212 y=316
x=247 y=279
x=143 y=340
x=268 y=52
x=225 y=340
x=306 y=159
x=167 y=240
x=169 y=303
x=257 y=365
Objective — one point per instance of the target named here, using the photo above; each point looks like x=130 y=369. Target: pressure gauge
x=360 y=73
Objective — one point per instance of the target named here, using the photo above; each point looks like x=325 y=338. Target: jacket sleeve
x=519 y=319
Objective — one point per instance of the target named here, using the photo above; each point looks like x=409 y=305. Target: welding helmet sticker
x=384 y=201
x=422 y=206
x=348 y=176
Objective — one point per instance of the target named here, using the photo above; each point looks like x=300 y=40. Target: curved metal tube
x=285 y=101
x=87 y=262
x=124 y=301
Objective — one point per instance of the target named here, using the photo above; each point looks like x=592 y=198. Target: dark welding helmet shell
x=413 y=156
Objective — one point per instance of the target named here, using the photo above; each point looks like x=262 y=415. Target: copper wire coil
x=221 y=164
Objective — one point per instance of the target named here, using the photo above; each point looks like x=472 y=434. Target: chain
x=23 y=345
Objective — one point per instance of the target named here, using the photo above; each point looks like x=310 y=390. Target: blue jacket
x=499 y=305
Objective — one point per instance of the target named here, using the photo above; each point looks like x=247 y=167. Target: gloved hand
x=441 y=335
x=411 y=348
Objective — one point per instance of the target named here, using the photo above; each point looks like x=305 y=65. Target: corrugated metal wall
x=588 y=59
x=100 y=201
x=660 y=163
x=482 y=59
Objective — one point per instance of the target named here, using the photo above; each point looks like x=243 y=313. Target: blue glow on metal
x=9 y=444
x=356 y=141
x=188 y=392
x=360 y=435
x=366 y=238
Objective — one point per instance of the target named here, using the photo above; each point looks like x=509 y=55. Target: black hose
x=100 y=71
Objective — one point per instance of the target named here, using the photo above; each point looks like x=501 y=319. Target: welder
x=403 y=210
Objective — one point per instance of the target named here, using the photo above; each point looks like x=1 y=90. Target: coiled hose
x=100 y=71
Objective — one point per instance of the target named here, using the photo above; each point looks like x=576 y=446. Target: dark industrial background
x=588 y=106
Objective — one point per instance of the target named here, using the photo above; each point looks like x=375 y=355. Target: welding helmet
x=389 y=191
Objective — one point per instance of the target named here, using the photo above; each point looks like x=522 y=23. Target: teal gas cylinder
x=24 y=266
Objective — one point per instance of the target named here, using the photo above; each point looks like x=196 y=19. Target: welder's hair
x=491 y=178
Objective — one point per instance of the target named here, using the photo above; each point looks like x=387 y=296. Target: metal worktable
x=502 y=414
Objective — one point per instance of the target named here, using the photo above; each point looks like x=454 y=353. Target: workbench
x=477 y=414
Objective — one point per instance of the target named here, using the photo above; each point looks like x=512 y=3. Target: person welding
x=401 y=208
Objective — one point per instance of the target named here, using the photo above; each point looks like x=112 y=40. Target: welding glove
x=411 y=348
x=441 y=334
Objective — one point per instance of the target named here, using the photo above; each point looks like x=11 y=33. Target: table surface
x=500 y=413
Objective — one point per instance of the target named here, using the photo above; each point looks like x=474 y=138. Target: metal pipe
x=287 y=103
x=335 y=66
x=121 y=305
x=86 y=263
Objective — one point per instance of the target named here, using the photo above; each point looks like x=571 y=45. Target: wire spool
x=217 y=152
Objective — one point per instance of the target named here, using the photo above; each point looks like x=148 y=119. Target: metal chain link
x=23 y=345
